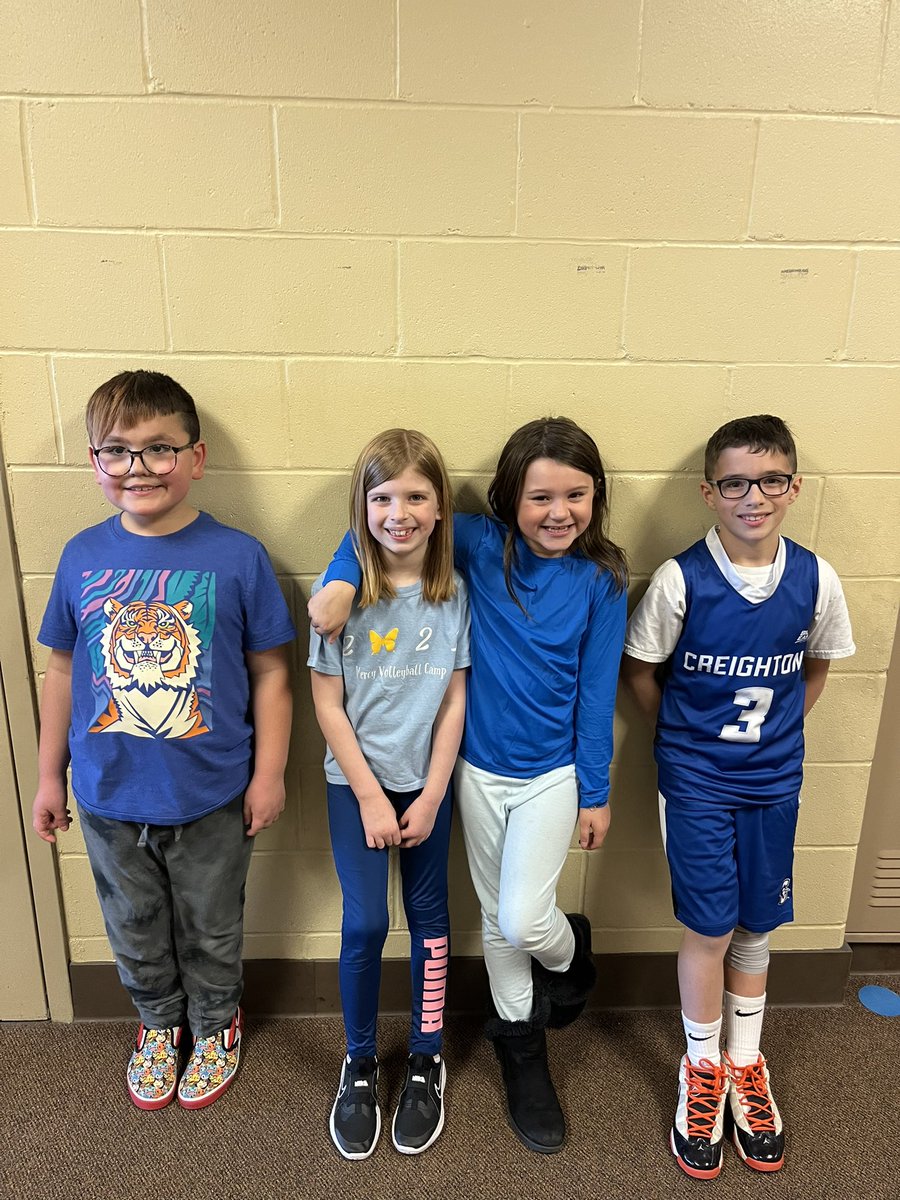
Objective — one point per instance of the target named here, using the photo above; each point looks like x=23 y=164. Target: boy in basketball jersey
x=746 y=623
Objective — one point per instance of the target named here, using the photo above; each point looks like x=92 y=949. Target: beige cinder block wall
x=328 y=218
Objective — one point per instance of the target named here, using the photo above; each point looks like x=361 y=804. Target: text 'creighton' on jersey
x=730 y=727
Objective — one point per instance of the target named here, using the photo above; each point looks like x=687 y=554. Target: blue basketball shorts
x=730 y=864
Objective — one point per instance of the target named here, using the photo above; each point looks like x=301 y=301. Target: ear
x=708 y=492
x=198 y=460
x=794 y=491
x=98 y=474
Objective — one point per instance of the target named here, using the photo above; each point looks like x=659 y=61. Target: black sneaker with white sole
x=355 y=1121
x=420 y=1111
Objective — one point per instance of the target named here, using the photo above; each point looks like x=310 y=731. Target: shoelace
x=754 y=1096
x=705 y=1088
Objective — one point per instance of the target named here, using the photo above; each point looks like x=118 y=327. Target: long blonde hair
x=386 y=457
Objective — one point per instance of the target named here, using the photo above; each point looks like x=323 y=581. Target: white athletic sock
x=743 y=1027
x=702 y=1040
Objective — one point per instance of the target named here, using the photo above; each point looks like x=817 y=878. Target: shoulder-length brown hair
x=561 y=440
x=384 y=458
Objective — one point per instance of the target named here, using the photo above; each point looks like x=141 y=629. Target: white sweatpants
x=517 y=834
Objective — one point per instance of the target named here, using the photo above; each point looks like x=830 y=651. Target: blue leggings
x=363 y=874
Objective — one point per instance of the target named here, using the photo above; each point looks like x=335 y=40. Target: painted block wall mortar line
x=518 y=179
x=396 y=49
x=267 y=233
x=58 y=434
x=748 y=225
x=637 y=110
x=275 y=160
x=818 y=504
x=637 y=97
x=146 y=66
x=164 y=293
x=728 y=396
x=633 y=361
x=889 y=15
x=845 y=350
x=850 y=365
x=286 y=411
x=398 y=303
x=28 y=164
x=623 y=354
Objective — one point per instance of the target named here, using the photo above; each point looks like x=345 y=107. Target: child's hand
x=50 y=810
x=379 y=822
x=329 y=608
x=592 y=826
x=263 y=804
x=418 y=821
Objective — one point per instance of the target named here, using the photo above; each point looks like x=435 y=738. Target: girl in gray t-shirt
x=390 y=699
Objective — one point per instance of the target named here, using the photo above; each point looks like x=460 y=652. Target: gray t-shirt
x=396 y=658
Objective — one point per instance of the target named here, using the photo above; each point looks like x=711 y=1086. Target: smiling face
x=748 y=527
x=554 y=508
x=152 y=504
x=401 y=515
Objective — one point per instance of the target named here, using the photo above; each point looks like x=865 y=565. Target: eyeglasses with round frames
x=736 y=487
x=158 y=459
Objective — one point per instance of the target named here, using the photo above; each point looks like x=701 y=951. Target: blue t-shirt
x=730 y=725
x=158 y=628
x=543 y=682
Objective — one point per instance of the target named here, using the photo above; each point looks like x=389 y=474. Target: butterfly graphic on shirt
x=386 y=643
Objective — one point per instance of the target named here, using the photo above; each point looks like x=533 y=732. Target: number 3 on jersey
x=749 y=723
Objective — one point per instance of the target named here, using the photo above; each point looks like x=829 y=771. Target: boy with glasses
x=167 y=689
x=746 y=623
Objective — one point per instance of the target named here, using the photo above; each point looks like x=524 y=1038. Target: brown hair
x=563 y=441
x=384 y=458
x=761 y=435
x=135 y=396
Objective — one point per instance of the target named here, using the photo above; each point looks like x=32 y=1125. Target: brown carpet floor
x=69 y=1133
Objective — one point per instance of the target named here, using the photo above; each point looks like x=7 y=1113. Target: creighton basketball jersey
x=730 y=725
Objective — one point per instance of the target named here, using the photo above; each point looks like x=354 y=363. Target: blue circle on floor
x=880 y=1000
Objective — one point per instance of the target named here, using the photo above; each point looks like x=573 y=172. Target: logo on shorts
x=785 y=891
x=804 y=636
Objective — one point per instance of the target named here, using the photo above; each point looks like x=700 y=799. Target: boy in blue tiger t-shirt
x=745 y=622
x=167 y=689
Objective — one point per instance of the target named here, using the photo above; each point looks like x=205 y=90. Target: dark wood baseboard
x=288 y=987
x=876 y=958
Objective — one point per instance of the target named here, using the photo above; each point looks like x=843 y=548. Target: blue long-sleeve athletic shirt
x=543 y=686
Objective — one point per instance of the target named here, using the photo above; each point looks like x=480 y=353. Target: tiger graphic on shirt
x=150 y=652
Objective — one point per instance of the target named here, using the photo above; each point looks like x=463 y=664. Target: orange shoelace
x=753 y=1093
x=705 y=1086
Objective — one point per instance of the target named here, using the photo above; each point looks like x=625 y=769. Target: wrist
x=52 y=778
x=429 y=799
x=367 y=800
x=269 y=776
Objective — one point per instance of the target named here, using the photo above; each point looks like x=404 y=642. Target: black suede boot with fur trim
x=567 y=991
x=531 y=1102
